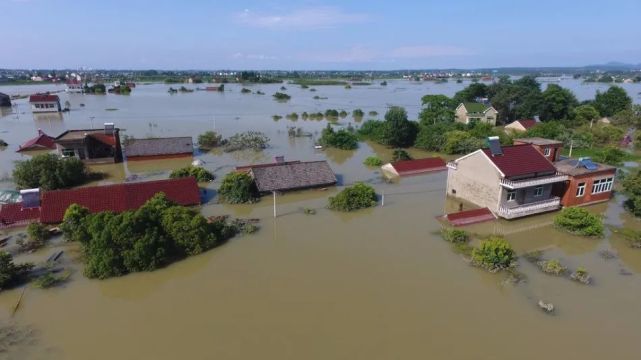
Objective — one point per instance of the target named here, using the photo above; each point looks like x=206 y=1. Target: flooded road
x=376 y=284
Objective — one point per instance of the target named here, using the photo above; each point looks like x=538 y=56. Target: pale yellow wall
x=461 y=114
x=475 y=180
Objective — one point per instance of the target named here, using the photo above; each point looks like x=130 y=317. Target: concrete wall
x=475 y=180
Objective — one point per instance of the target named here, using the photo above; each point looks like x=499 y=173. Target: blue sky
x=287 y=35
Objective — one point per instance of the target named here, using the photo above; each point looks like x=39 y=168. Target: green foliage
x=331 y=113
x=358 y=196
x=436 y=109
x=342 y=114
x=558 y=103
x=237 y=188
x=494 y=253
x=3 y=143
x=455 y=236
x=579 y=221
x=373 y=161
x=372 y=113
x=614 y=100
x=470 y=93
x=517 y=99
x=372 y=130
x=400 y=155
x=153 y=236
x=552 y=266
x=398 y=130
x=201 y=174
x=610 y=155
x=245 y=91
x=586 y=114
x=10 y=273
x=281 y=96
x=461 y=142
x=37 y=235
x=249 y=140
x=49 y=172
x=358 y=113
x=549 y=130
x=628 y=117
x=341 y=139
x=50 y=280
x=209 y=140
x=72 y=225
x=632 y=186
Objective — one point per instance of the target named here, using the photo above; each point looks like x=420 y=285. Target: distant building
x=74 y=85
x=588 y=182
x=5 y=100
x=470 y=112
x=91 y=145
x=40 y=142
x=522 y=125
x=414 y=167
x=551 y=149
x=44 y=103
x=511 y=181
x=289 y=176
x=159 y=148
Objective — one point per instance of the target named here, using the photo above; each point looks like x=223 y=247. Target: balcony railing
x=530 y=209
x=519 y=184
x=451 y=164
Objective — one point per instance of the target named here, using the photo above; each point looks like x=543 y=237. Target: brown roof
x=98 y=134
x=518 y=160
x=527 y=123
x=538 y=141
x=574 y=167
x=43 y=98
x=293 y=176
x=42 y=141
x=159 y=146
x=417 y=166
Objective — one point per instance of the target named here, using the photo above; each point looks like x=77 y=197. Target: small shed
x=159 y=148
x=414 y=167
x=289 y=176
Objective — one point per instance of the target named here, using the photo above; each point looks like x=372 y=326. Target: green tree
x=358 y=196
x=400 y=155
x=471 y=93
x=201 y=174
x=372 y=130
x=49 y=172
x=495 y=253
x=612 y=101
x=38 y=233
x=558 y=103
x=237 y=188
x=398 y=130
x=72 y=226
x=341 y=139
x=10 y=273
x=586 y=114
x=209 y=140
x=461 y=142
x=579 y=221
x=436 y=108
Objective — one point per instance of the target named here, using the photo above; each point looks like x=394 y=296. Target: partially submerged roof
x=539 y=141
x=473 y=107
x=468 y=217
x=43 y=98
x=526 y=123
x=519 y=160
x=581 y=166
x=417 y=166
x=15 y=215
x=97 y=134
x=159 y=146
x=292 y=176
x=118 y=197
x=40 y=142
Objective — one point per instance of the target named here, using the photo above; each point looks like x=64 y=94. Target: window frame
x=547 y=151
x=538 y=191
x=580 y=189
x=511 y=195
x=603 y=185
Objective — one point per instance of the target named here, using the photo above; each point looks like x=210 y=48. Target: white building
x=44 y=103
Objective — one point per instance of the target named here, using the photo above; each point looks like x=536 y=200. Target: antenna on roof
x=494 y=145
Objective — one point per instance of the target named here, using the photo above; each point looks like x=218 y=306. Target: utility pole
x=274 y=192
x=571 y=144
x=383 y=198
x=91 y=118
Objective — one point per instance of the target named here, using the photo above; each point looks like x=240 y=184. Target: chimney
x=30 y=198
x=40 y=132
x=109 y=128
x=495 y=145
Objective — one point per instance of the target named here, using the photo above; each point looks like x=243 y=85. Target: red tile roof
x=117 y=198
x=409 y=167
x=42 y=141
x=15 y=215
x=527 y=123
x=43 y=97
x=104 y=138
x=468 y=217
x=518 y=160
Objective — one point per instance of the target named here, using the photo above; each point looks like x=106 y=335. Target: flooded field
x=376 y=284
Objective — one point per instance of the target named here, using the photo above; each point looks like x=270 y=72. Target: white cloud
x=310 y=18
x=426 y=51
x=240 y=55
x=364 y=54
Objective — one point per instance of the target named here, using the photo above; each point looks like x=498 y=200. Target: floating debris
x=309 y=211
x=547 y=307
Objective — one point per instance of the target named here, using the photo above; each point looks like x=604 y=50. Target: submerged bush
x=493 y=254
x=455 y=236
x=201 y=174
x=341 y=139
x=373 y=161
x=579 y=221
x=552 y=266
x=237 y=188
x=358 y=196
x=49 y=172
x=249 y=140
x=400 y=155
x=209 y=140
x=10 y=273
x=281 y=96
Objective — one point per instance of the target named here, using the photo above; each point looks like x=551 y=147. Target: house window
x=511 y=195
x=602 y=185
x=68 y=153
x=547 y=151
x=538 y=191
x=580 y=190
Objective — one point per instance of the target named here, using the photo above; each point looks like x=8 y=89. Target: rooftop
x=98 y=134
x=159 y=146
x=473 y=107
x=292 y=176
x=527 y=123
x=575 y=167
x=539 y=141
x=519 y=160
x=42 y=141
x=408 y=167
x=43 y=98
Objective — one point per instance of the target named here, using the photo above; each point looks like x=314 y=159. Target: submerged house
x=158 y=148
x=289 y=176
x=511 y=181
x=91 y=145
x=5 y=100
x=40 y=142
x=470 y=112
x=45 y=103
x=588 y=182
x=522 y=125
x=414 y=167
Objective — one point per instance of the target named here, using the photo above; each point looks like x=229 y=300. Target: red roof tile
x=527 y=123
x=14 y=215
x=42 y=141
x=408 y=167
x=518 y=160
x=104 y=138
x=470 y=217
x=43 y=97
x=117 y=198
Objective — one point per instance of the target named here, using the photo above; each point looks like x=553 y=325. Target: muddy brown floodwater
x=375 y=284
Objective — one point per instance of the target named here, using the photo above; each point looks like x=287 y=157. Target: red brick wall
x=570 y=198
x=555 y=150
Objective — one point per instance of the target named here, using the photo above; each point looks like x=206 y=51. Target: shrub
x=49 y=172
x=494 y=254
x=331 y=113
x=253 y=140
x=552 y=266
x=237 y=188
x=201 y=174
x=358 y=113
x=455 y=236
x=579 y=221
x=341 y=139
x=373 y=161
x=281 y=96
x=581 y=275
x=209 y=140
x=276 y=117
x=632 y=186
x=461 y=142
x=10 y=273
x=342 y=114
x=37 y=234
x=358 y=196
x=611 y=155
x=400 y=155
x=49 y=280
x=245 y=91
x=372 y=130
x=373 y=113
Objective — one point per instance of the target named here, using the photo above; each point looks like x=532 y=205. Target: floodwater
x=376 y=284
